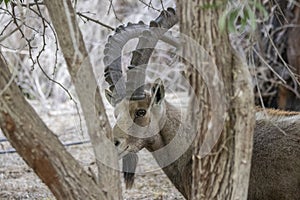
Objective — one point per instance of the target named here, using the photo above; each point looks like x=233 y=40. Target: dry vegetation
x=52 y=101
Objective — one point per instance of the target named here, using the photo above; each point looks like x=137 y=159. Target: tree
x=224 y=172
x=230 y=156
x=39 y=147
x=37 y=144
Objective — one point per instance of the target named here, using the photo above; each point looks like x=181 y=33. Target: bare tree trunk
x=39 y=147
x=63 y=17
x=224 y=173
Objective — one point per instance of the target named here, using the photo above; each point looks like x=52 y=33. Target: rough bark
x=73 y=48
x=224 y=173
x=39 y=147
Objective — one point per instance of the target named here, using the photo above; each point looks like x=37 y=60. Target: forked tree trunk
x=36 y=143
x=39 y=147
x=224 y=172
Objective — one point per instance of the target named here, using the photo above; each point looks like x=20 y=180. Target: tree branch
x=95 y=21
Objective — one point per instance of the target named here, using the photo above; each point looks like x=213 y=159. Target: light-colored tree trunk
x=224 y=172
x=63 y=17
x=39 y=147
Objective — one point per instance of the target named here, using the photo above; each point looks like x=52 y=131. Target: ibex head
x=138 y=121
x=139 y=113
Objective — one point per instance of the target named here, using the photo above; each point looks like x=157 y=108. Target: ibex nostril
x=117 y=143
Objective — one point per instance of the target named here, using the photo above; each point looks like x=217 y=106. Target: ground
x=18 y=181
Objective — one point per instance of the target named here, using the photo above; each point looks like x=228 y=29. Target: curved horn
x=112 y=57
x=140 y=58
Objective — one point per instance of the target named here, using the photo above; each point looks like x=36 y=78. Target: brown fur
x=275 y=171
x=275 y=167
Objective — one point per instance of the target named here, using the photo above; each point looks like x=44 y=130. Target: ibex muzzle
x=139 y=121
x=147 y=120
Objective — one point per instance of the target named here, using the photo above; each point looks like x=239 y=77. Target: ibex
x=275 y=172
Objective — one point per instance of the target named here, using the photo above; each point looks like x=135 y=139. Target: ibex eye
x=140 y=113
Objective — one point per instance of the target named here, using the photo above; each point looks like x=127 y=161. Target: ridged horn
x=140 y=58
x=112 y=57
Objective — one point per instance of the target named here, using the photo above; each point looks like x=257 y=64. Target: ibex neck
x=171 y=151
x=169 y=123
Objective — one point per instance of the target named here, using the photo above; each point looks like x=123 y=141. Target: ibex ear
x=109 y=96
x=158 y=91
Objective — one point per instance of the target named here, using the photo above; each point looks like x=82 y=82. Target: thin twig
x=27 y=5
x=265 y=62
x=281 y=58
x=47 y=76
x=162 y=4
x=111 y=7
x=37 y=59
x=95 y=21
x=149 y=5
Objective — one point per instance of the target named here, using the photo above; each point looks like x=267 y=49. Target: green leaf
x=231 y=27
x=6 y=2
x=252 y=17
x=232 y=20
x=222 y=22
x=1 y=1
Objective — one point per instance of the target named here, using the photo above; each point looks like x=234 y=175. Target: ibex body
x=147 y=120
x=275 y=167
